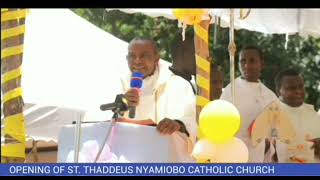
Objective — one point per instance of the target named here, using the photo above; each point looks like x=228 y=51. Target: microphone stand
x=77 y=140
x=113 y=123
x=119 y=109
x=120 y=106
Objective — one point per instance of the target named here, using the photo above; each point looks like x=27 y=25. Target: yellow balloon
x=189 y=16
x=233 y=151
x=219 y=121
x=200 y=134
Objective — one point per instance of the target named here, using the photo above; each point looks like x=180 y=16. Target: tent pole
x=12 y=36
x=203 y=64
x=232 y=49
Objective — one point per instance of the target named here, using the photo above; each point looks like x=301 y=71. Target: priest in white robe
x=164 y=99
x=306 y=121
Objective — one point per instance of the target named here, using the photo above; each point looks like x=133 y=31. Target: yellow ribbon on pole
x=12 y=32
x=199 y=18
x=11 y=75
x=13 y=15
x=10 y=51
x=14 y=127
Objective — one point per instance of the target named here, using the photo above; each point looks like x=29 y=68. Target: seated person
x=306 y=121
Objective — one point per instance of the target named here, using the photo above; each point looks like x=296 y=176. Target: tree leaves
x=302 y=54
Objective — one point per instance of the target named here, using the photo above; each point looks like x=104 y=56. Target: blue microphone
x=136 y=82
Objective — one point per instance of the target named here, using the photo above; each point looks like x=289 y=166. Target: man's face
x=142 y=57
x=183 y=55
x=217 y=83
x=250 y=65
x=189 y=58
x=292 y=90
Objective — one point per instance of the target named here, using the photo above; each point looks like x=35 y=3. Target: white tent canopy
x=70 y=67
x=270 y=21
x=69 y=62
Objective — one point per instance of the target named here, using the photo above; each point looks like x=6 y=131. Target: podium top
x=136 y=143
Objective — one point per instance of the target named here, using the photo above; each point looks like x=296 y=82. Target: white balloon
x=204 y=149
x=234 y=151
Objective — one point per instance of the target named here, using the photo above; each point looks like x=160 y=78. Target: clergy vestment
x=165 y=95
x=306 y=122
x=250 y=99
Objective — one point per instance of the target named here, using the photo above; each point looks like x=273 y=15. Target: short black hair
x=148 y=39
x=178 y=46
x=286 y=72
x=253 y=47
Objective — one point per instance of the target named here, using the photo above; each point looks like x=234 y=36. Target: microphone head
x=136 y=80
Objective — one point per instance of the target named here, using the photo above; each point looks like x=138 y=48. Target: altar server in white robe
x=306 y=121
x=251 y=97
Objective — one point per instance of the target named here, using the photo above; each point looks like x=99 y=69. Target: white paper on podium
x=135 y=143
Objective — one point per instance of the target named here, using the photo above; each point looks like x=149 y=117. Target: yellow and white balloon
x=219 y=121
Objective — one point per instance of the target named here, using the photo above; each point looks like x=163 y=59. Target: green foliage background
x=302 y=54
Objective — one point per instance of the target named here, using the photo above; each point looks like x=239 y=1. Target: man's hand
x=168 y=126
x=146 y=122
x=316 y=147
x=132 y=96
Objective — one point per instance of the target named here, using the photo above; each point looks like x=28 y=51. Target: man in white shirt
x=165 y=99
x=306 y=121
x=251 y=97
